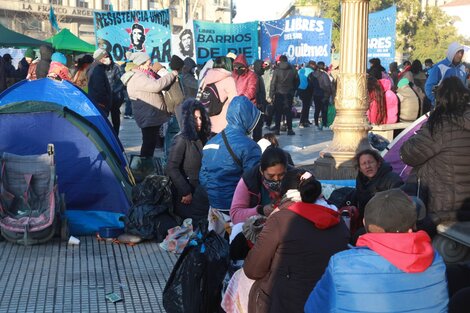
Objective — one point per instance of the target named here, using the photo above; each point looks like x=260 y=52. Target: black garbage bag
x=195 y=284
x=151 y=215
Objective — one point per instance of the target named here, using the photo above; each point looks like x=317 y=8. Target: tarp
x=66 y=41
x=300 y=38
x=392 y=153
x=382 y=35
x=144 y=31
x=66 y=94
x=97 y=192
x=217 y=39
x=9 y=38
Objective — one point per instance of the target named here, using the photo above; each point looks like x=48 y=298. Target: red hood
x=321 y=216
x=410 y=252
x=386 y=84
x=241 y=59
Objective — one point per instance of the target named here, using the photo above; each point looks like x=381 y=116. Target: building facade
x=31 y=17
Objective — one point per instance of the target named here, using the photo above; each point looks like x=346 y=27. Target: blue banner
x=382 y=33
x=300 y=38
x=217 y=39
x=145 y=31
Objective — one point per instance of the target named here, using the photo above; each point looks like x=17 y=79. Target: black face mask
x=240 y=70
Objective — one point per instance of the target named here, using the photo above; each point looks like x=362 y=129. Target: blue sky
x=260 y=10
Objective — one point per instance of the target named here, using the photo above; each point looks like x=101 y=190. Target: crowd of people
x=218 y=159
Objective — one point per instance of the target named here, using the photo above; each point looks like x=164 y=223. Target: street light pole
x=350 y=126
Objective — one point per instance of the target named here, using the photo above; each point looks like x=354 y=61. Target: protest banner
x=144 y=31
x=300 y=38
x=182 y=44
x=382 y=33
x=218 y=39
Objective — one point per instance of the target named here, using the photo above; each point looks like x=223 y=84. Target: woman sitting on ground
x=257 y=191
x=184 y=162
x=439 y=154
x=374 y=175
x=294 y=248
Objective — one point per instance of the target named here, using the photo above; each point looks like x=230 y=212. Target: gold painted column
x=350 y=126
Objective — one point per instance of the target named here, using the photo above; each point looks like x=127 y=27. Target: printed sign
x=182 y=44
x=144 y=31
x=382 y=32
x=300 y=38
x=217 y=39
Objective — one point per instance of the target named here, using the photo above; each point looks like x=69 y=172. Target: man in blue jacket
x=393 y=269
x=221 y=169
x=451 y=66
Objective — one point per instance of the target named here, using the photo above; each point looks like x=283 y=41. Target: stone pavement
x=57 y=277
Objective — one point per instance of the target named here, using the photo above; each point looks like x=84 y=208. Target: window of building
x=82 y=3
x=58 y=2
x=106 y=5
x=153 y=5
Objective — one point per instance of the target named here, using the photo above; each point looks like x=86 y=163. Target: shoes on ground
x=290 y=132
x=128 y=117
x=283 y=128
x=301 y=126
x=320 y=128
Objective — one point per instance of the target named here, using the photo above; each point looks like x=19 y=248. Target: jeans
x=149 y=140
x=306 y=97
x=283 y=106
x=321 y=106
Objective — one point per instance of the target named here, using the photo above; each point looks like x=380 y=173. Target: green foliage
x=420 y=34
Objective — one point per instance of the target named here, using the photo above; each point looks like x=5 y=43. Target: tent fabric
x=9 y=38
x=97 y=192
x=66 y=94
x=66 y=41
x=392 y=153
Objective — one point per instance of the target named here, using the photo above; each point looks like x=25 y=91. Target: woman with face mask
x=245 y=79
x=258 y=190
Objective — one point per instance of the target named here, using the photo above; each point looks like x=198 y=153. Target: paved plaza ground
x=57 y=277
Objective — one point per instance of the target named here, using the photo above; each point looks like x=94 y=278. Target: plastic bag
x=195 y=283
x=331 y=115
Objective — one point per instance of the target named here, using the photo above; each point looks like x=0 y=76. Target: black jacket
x=43 y=65
x=99 y=89
x=260 y=88
x=366 y=188
x=184 y=159
x=285 y=80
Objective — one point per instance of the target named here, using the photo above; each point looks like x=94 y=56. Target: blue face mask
x=272 y=185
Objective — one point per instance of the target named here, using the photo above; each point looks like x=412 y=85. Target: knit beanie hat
x=99 y=54
x=30 y=53
x=176 y=63
x=59 y=57
x=139 y=58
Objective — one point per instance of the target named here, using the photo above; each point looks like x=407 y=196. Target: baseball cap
x=391 y=210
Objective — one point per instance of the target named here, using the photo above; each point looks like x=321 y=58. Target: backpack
x=211 y=100
x=173 y=96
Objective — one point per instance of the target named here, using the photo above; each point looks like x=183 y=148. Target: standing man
x=305 y=93
x=283 y=86
x=322 y=91
x=451 y=66
x=99 y=89
x=393 y=269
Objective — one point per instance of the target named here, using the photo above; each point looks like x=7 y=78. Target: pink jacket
x=227 y=90
x=391 y=101
x=246 y=83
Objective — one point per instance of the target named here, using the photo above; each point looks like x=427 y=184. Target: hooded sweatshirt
x=410 y=252
x=444 y=69
x=391 y=103
x=322 y=217
x=247 y=82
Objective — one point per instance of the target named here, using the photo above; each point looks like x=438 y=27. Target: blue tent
x=97 y=189
x=66 y=94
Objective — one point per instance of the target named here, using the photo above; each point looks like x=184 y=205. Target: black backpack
x=211 y=100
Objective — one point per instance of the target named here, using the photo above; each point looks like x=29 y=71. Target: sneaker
x=301 y=126
x=128 y=117
x=290 y=132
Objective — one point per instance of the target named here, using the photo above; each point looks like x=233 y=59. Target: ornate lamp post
x=350 y=127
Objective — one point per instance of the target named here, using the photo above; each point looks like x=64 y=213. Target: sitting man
x=393 y=269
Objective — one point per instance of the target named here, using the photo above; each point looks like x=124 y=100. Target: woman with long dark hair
x=383 y=102
x=440 y=151
x=184 y=162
